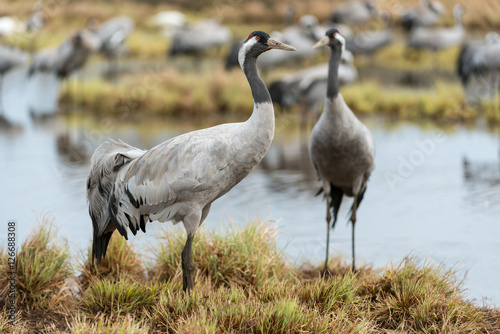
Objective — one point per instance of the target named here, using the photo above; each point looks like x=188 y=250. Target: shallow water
x=421 y=200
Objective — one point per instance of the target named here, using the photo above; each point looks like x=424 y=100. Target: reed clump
x=243 y=284
x=42 y=270
x=171 y=93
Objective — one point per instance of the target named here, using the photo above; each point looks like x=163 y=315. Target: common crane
x=168 y=22
x=438 y=38
x=341 y=147
x=112 y=34
x=199 y=37
x=179 y=179
x=71 y=55
x=480 y=60
x=368 y=42
x=354 y=12
x=427 y=14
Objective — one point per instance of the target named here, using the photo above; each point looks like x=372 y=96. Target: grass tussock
x=420 y=298
x=245 y=257
x=121 y=261
x=165 y=92
x=243 y=284
x=170 y=92
x=445 y=102
x=42 y=270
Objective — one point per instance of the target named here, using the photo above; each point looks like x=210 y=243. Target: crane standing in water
x=179 y=179
x=341 y=147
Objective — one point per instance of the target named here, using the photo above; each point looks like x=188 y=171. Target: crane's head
x=257 y=43
x=333 y=39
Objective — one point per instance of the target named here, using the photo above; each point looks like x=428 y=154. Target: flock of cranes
x=179 y=179
x=107 y=39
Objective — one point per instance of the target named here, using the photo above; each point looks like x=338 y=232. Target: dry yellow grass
x=243 y=283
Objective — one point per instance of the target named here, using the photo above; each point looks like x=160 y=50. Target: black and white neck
x=336 y=50
x=247 y=58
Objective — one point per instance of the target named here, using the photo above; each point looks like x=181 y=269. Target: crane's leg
x=187 y=265
x=357 y=201
x=191 y=223
x=328 y=219
x=333 y=200
x=353 y=220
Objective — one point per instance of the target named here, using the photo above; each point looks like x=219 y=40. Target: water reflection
x=482 y=182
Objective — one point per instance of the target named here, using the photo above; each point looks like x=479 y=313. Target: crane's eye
x=257 y=38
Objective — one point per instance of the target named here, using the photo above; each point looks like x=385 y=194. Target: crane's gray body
x=71 y=55
x=479 y=68
x=437 y=38
x=341 y=148
x=113 y=34
x=427 y=14
x=200 y=37
x=479 y=59
x=11 y=57
x=177 y=179
x=354 y=12
x=368 y=42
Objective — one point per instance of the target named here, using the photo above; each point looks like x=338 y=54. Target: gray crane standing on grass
x=355 y=12
x=341 y=147
x=370 y=41
x=482 y=61
x=438 y=38
x=10 y=57
x=113 y=33
x=70 y=56
x=179 y=179
x=427 y=14
x=199 y=37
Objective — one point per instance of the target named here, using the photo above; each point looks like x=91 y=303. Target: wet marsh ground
x=243 y=283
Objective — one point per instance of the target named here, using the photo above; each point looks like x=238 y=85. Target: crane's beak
x=322 y=42
x=274 y=44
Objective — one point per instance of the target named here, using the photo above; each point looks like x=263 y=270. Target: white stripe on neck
x=244 y=49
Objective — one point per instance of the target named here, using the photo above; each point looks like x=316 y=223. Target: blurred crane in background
x=112 y=35
x=438 y=38
x=480 y=61
x=68 y=57
x=199 y=37
x=368 y=42
x=427 y=14
x=168 y=22
x=355 y=12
